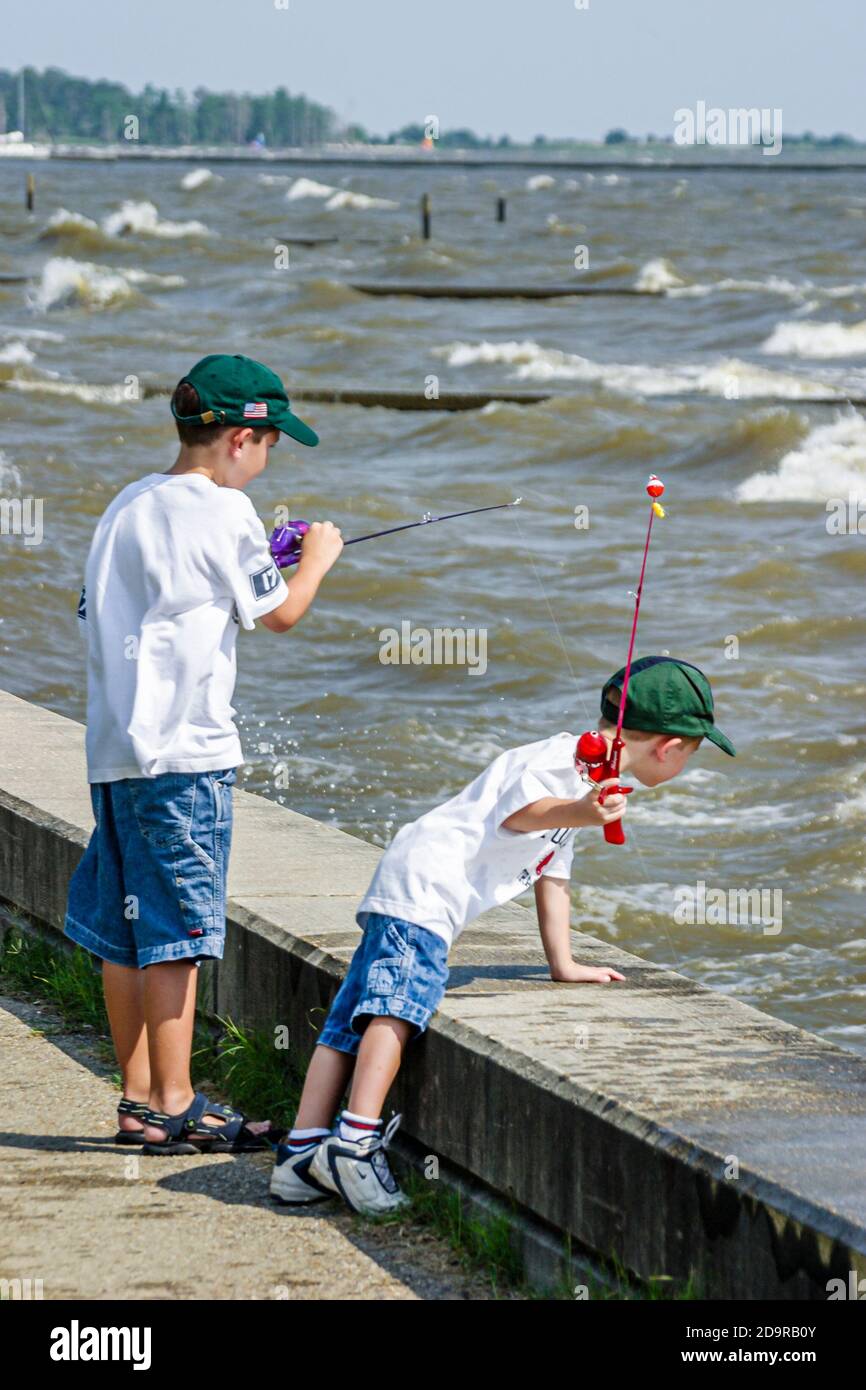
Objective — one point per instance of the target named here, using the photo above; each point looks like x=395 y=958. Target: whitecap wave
x=150 y=277
x=829 y=463
x=817 y=340
x=62 y=222
x=115 y=394
x=345 y=198
x=805 y=293
x=306 y=188
x=143 y=219
x=15 y=354
x=658 y=275
x=196 y=178
x=10 y=476
x=66 y=282
x=539 y=181
x=730 y=378
x=774 y=284
x=44 y=335
x=853 y=807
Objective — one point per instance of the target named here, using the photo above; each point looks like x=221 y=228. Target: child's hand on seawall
x=586 y=974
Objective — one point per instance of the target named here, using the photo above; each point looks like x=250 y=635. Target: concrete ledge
x=618 y=1147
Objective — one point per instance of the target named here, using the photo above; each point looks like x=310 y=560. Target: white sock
x=305 y=1138
x=355 y=1127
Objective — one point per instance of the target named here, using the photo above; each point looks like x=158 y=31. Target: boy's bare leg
x=123 y=987
x=169 y=1012
x=327 y=1078
x=379 y=1058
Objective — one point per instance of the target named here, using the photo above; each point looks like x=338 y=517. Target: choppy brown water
x=767 y=296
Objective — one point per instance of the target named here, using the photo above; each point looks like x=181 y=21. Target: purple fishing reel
x=286 y=542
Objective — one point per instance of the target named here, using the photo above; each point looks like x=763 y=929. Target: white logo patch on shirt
x=265 y=581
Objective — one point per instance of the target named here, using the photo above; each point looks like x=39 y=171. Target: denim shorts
x=398 y=969
x=151 y=885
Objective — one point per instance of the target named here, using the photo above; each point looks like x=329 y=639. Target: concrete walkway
x=93 y=1221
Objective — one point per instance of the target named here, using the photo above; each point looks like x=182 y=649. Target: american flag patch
x=255 y=410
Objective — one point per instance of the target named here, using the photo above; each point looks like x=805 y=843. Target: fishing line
x=592 y=748
x=286 y=541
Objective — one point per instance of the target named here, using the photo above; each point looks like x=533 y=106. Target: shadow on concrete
x=390 y=1246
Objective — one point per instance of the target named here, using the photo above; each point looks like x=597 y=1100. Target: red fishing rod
x=591 y=747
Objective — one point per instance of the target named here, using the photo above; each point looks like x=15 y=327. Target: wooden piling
x=425 y=216
x=30 y=198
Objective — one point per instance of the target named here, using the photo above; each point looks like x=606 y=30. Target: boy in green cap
x=178 y=561
x=511 y=829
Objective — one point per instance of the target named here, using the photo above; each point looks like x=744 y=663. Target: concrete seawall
x=688 y=1134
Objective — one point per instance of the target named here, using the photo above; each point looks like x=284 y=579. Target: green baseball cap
x=666 y=696
x=238 y=391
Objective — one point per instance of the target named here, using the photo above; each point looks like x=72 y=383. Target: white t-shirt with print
x=175 y=563
x=457 y=861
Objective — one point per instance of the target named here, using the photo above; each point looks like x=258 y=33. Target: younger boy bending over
x=509 y=830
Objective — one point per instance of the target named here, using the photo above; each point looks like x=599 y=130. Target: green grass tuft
x=479 y=1242
x=67 y=979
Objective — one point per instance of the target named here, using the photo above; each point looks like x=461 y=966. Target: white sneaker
x=291 y=1181
x=359 y=1171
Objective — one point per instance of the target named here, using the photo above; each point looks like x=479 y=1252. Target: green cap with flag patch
x=238 y=391
x=666 y=696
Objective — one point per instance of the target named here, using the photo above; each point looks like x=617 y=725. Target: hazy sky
x=520 y=67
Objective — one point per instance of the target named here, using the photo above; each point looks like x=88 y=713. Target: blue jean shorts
x=399 y=969
x=151 y=885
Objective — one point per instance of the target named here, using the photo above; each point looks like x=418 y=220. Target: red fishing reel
x=592 y=752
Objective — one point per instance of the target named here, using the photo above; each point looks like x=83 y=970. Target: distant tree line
x=413 y=134
x=622 y=137
x=58 y=107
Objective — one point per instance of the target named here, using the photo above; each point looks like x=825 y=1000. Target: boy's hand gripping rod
x=591 y=747
x=286 y=541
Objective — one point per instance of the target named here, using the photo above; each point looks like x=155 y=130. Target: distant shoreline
x=382 y=157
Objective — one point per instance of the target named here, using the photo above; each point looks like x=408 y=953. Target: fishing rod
x=591 y=747
x=286 y=541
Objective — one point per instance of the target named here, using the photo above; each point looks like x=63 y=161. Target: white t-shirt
x=175 y=563
x=456 y=861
